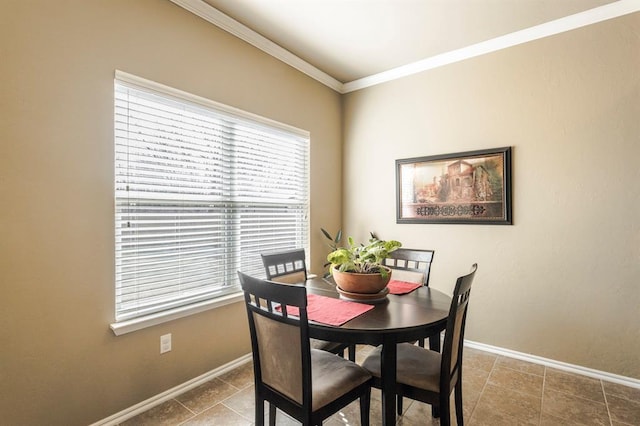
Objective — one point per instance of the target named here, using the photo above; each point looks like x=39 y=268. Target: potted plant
x=359 y=268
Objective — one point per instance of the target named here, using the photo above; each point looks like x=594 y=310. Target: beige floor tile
x=519 y=365
x=376 y=394
x=474 y=379
x=621 y=391
x=414 y=410
x=573 y=384
x=350 y=415
x=549 y=420
x=473 y=382
x=503 y=405
x=168 y=413
x=624 y=410
x=470 y=400
x=240 y=377
x=375 y=415
x=218 y=414
x=496 y=391
x=206 y=395
x=486 y=417
x=418 y=413
x=282 y=419
x=242 y=402
x=516 y=380
x=331 y=421
x=473 y=358
x=573 y=408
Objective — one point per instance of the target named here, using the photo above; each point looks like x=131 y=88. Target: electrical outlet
x=165 y=343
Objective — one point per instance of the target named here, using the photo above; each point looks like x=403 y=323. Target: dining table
x=393 y=319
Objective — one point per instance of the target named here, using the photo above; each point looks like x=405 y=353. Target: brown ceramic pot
x=361 y=283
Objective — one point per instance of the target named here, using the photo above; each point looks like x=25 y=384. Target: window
x=201 y=189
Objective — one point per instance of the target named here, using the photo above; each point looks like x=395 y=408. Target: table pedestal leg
x=388 y=379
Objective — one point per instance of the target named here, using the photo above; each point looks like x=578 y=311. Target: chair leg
x=352 y=353
x=259 y=411
x=399 y=404
x=365 y=407
x=272 y=415
x=434 y=343
x=458 y=402
x=445 y=410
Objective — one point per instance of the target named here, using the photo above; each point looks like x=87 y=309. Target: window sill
x=124 y=327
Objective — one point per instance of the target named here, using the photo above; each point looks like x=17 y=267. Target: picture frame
x=471 y=187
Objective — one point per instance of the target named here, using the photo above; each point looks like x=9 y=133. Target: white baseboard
x=184 y=387
x=559 y=365
x=171 y=393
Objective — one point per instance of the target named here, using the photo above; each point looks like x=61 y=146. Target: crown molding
x=571 y=22
x=568 y=23
x=226 y=23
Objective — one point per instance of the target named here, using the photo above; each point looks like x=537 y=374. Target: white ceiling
x=352 y=40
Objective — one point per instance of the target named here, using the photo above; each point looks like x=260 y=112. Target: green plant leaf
x=361 y=258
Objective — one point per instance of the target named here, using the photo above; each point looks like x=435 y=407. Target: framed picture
x=465 y=187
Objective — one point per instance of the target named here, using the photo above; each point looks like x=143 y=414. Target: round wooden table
x=399 y=318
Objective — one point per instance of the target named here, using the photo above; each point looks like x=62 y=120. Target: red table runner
x=402 y=287
x=328 y=310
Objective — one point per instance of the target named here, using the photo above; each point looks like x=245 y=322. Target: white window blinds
x=201 y=190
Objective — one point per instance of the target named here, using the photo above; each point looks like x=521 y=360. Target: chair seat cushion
x=416 y=366
x=325 y=346
x=333 y=376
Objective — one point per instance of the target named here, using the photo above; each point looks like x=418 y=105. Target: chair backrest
x=286 y=267
x=454 y=334
x=279 y=341
x=410 y=265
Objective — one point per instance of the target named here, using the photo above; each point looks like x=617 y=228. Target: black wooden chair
x=290 y=267
x=413 y=265
x=307 y=384
x=429 y=376
x=410 y=265
x=286 y=266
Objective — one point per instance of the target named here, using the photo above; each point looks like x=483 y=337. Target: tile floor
x=496 y=391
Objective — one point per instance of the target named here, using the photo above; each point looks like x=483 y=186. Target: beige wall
x=59 y=362
x=563 y=281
